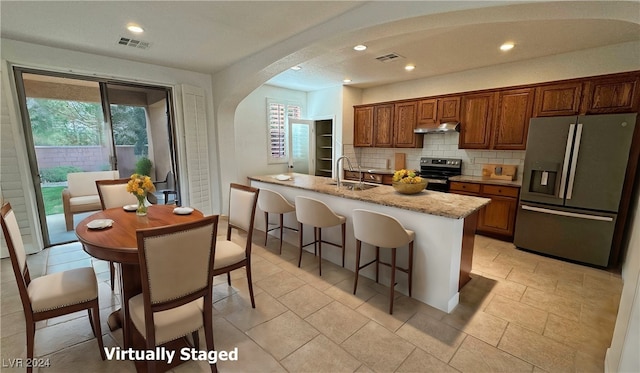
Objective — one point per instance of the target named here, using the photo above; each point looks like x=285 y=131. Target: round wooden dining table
x=118 y=244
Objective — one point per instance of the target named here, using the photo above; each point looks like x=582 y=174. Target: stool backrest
x=274 y=202
x=316 y=213
x=379 y=229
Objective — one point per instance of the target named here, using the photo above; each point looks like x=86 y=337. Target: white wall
x=251 y=132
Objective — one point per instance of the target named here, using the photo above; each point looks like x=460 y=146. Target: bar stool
x=384 y=231
x=317 y=214
x=273 y=202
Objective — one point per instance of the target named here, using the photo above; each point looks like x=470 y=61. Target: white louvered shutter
x=197 y=149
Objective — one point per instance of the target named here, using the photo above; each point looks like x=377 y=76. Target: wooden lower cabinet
x=498 y=218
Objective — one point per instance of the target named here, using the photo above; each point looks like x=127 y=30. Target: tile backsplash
x=437 y=145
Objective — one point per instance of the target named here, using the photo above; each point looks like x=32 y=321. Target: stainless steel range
x=437 y=171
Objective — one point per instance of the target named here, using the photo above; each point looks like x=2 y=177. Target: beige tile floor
x=520 y=313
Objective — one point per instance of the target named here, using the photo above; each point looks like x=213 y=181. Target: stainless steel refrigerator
x=574 y=172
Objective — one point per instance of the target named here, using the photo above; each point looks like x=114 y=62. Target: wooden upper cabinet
x=558 y=99
x=427 y=112
x=476 y=117
x=513 y=112
x=404 y=123
x=363 y=126
x=449 y=109
x=611 y=95
x=383 y=126
x=432 y=112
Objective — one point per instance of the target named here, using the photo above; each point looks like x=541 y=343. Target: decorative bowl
x=406 y=188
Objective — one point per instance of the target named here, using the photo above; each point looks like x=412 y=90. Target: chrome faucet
x=339 y=171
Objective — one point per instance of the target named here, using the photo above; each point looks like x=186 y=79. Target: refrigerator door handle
x=574 y=161
x=566 y=213
x=565 y=163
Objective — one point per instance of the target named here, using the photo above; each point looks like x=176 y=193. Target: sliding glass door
x=75 y=124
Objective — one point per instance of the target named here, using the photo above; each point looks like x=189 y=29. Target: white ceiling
x=211 y=36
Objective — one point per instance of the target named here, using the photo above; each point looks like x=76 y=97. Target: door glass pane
x=300 y=144
x=68 y=133
x=141 y=133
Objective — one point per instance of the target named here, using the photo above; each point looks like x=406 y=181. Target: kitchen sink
x=354 y=186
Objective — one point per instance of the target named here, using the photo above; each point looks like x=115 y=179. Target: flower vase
x=142 y=208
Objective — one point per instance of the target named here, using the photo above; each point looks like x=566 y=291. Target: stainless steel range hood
x=442 y=128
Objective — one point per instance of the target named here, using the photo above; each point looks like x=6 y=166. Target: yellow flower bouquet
x=140 y=186
x=408 y=182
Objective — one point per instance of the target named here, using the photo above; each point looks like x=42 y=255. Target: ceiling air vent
x=388 y=57
x=134 y=43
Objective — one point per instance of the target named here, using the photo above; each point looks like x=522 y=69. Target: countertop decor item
x=408 y=182
x=139 y=186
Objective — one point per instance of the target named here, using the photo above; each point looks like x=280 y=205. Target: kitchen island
x=444 y=225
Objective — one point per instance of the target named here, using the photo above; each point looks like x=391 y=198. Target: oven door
x=437 y=184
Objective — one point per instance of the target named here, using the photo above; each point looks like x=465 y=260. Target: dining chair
x=50 y=295
x=177 y=284
x=381 y=230
x=230 y=255
x=167 y=187
x=113 y=193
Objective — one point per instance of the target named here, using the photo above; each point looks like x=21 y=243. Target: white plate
x=130 y=207
x=283 y=177
x=100 y=224
x=183 y=210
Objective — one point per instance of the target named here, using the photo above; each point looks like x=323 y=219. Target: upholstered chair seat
x=170 y=324
x=62 y=288
x=228 y=253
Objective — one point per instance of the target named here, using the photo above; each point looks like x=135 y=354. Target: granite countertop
x=484 y=180
x=449 y=205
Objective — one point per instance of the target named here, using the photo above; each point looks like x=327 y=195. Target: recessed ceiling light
x=507 y=46
x=410 y=67
x=296 y=68
x=360 y=47
x=346 y=80
x=135 y=28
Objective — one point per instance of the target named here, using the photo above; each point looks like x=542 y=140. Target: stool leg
x=281 y=231
x=300 y=239
x=320 y=251
x=266 y=227
x=410 y=272
x=315 y=241
x=358 y=248
x=377 y=262
x=393 y=280
x=344 y=233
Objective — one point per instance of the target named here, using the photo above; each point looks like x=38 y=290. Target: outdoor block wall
x=87 y=158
